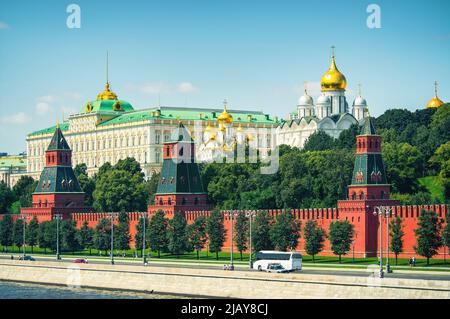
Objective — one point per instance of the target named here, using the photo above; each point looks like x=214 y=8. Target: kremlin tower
x=180 y=187
x=58 y=190
x=368 y=189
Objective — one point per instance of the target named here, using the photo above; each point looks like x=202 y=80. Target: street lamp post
x=57 y=217
x=144 y=257
x=112 y=238
x=388 y=266
x=23 y=217
x=380 y=214
x=250 y=215
x=232 y=240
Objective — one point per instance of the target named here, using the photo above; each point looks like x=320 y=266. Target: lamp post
x=144 y=257
x=249 y=215
x=380 y=214
x=57 y=217
x=387 y=214
x=23 y=217
x=112 y=215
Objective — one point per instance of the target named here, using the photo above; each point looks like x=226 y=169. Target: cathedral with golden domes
x=330 y=113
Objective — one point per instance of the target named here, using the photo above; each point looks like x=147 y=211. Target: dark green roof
x=369 y=170
x=367 y=128
x=107 y=106
x=58 y=179
x=58 y=142
x=180 y=134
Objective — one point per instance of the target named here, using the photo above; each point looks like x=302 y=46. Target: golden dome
x=107 y=94
x=209 y=128
x=225 y=117
x=435 y=101
x=333 y=79
x=222 y=128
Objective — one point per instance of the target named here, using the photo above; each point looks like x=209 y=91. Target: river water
x=12 y=290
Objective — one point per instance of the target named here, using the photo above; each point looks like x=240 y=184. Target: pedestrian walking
x=414 y=261
x=410 y=262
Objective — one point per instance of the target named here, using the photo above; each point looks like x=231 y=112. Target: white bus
x=289 y=260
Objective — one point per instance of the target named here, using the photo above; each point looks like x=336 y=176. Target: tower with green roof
x=58 y=190
x=180 y=187
x=368 y=190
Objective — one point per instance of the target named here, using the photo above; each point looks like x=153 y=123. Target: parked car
x=80 y=261
x=27 y=258
x=278 y=268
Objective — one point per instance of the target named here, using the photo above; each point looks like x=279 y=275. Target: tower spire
x=332 y=51
x=305 y=86
x=435 y=88
x=225 y=104
x=359 y=89
x=107 y=67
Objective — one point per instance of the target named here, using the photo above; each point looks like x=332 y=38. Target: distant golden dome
x=240 y=128
x=333 y=79
x=435 y=101
x=209 y=128
x=225 y=117
x=107 y=94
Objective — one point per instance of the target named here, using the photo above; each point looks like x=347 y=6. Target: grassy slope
x=433 y=186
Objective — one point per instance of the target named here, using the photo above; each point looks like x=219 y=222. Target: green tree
x=122 y=237
x=118 y=189
x=403 y=166
x=261 y=232
x=446 y=234
x=157 y=232
x=314 y=238
x=319 y=141
x=241 y=232
x=32 y=232
x=43 y=238
x=23 y=190
x=87 y=184
x=216 y=232
x=151 y=186
x=396 y=234
x=102 y=235
x=18 y=232
x=6 y=197
x=285 y=232
x=177 y=233
x=6 y=231
x=197 y=234
x=85 y=237
x=341 y=235
x=428 y=235
x=68 y=235
x=138 y=237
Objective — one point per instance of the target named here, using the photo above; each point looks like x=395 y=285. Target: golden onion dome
x=209 y=128
x=333 y=79
x=435 y=101
x=225 y=117
x=222 y=128
x=107 y=94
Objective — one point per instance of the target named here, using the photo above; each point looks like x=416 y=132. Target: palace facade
x=109 y=129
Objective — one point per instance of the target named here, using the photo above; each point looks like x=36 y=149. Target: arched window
x=169 y=201
x=196 y=200
x=354 y=195
x=183 y=201
x=382 y=194
x=361 y=195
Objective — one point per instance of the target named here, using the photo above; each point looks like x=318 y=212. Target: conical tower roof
x=58 y=142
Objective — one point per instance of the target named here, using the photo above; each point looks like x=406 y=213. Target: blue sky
x=195 y=53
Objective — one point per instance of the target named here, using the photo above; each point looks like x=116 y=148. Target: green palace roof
x=167 y=113
x=13 y=161
x=107 y=105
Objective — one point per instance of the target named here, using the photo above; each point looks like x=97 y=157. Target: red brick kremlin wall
x=324 y=217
